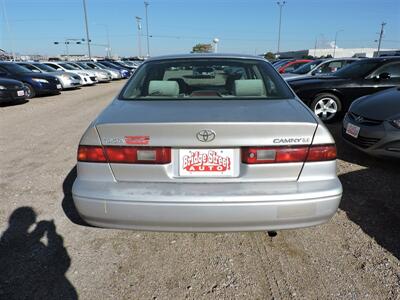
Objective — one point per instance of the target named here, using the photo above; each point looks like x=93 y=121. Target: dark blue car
x=35 y=83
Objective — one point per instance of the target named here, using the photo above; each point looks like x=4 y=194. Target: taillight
x=267 y=155
x=321 y=153
x=91 y=154
x=123 y=154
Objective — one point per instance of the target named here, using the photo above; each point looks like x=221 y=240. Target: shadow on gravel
x=371 y=195
x=68 y=205
x=33 y=262
x=13 y=103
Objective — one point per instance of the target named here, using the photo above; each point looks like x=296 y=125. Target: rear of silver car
x=231 y=165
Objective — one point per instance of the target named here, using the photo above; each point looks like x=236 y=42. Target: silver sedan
x=206 y=143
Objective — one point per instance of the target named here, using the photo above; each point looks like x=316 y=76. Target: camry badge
x=206 y=135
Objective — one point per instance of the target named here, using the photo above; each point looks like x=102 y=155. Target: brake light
x=322 y=153
x=266 y=155
x=91 y=154
x=124 y=154
x=138 y=155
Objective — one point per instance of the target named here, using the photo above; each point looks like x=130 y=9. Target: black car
x=328 y=96
x=372 y=124
x=11 y=90
x=35 y=83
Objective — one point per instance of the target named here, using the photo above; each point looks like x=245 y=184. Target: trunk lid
x=236 y=124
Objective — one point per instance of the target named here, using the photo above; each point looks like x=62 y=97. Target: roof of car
x=205 y=55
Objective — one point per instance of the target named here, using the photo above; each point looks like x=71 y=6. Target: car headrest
x=249 y=87
x=163 y=88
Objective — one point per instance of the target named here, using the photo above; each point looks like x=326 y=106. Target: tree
x=202 y=48
x=269 y=56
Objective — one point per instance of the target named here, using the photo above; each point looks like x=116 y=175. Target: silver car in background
x=67 y=80
x=115 y=74
x=229 y=148
x=87 y=79
x=102 y=75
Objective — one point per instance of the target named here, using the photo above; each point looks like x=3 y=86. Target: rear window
x=206 y=79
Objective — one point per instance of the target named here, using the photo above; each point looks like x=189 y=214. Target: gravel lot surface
x=46 y=252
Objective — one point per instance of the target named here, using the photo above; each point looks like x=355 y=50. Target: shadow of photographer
x=33 y=262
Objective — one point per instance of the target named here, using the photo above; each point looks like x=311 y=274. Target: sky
x=175 y=26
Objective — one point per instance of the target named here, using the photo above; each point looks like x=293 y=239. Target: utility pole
x=139 y=34
x=87 y=30
x=334 y=47
x=280 y=4
x=315 y=46
x=380 y=38
x=146 y=4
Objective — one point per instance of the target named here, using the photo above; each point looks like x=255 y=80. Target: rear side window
x=206 y=79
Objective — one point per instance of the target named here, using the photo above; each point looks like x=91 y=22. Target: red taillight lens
x=91 y=154
x=266 y=155
x=321 y=153
x=123 y=154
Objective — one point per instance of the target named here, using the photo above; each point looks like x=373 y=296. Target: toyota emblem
x=206 y=135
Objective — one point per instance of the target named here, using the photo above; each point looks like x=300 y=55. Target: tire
x=30 y=91
x=326 y=106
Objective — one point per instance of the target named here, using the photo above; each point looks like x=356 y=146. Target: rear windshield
x=307 y=67
x=207 y=79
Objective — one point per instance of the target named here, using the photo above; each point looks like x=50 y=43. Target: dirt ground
x=45 y=252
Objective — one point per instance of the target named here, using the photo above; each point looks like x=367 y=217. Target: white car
x=87 y=79
x=102 y=75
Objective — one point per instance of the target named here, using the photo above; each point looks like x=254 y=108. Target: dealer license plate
x=207 y=163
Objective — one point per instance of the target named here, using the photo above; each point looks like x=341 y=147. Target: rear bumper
x=207 y=207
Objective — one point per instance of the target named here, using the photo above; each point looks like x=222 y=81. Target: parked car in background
x=87 y=79
x=293 y=65
x=12 y=91
x=372 y=123
x=328 y=96
x=35 y=83
x=125 y=73
x=101 y=75
x=319 y=67
x=280 y=62
x=177 y=152
x=67 y=80
x=115 y=74
x=127 y=64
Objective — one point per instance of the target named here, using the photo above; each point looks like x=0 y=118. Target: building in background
x=339 y=52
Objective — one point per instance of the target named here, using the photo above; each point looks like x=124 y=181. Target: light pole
x=280 y=4
x=334 y=45
x=87 y=29
x=380 y=39
x=146 y=4
x=139 y=34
